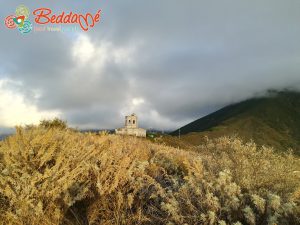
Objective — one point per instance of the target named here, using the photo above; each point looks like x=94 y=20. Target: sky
x=169 y=61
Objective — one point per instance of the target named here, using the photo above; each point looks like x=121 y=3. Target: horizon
x=267 y=94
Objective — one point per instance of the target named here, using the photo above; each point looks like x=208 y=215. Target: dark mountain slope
x=273 y=120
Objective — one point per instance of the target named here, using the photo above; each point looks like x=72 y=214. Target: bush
x=54 y=123
x=58 y=176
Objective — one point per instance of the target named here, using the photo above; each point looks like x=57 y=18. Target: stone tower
x=131 y=127
x=131 y=121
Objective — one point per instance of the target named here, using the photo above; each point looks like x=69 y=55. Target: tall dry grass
x=54 y=175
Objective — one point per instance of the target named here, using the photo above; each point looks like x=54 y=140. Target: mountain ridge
x=272 y=120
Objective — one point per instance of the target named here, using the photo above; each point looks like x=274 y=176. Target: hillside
x=273 y=121
x=55 y=175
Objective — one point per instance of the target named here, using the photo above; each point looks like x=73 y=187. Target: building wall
x=139 y=132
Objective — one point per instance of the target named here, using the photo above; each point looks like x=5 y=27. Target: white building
x=131 y=127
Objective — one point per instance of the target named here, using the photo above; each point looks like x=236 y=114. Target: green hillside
x=273 y=120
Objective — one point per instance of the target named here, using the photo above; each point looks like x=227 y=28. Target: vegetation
x=273 y=120
x=52 y=175
x=55 y=123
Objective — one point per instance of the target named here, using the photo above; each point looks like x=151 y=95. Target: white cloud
x=83 y=49
x=96 y=57
x=137 y=101
x=15 y=110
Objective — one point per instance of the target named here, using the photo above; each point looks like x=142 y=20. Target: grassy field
x=55 y=175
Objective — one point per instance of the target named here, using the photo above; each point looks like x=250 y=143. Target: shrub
x=54 y=123
x=58 y=176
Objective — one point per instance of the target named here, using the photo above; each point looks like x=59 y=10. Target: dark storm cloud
x=186 y=59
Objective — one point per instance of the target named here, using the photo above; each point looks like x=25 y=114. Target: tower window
x=129 y=121
x=133 y=121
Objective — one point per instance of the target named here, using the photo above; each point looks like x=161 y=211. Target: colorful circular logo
x=9 y=22
x=20 y=20
x=22 y=10
x=26 y=28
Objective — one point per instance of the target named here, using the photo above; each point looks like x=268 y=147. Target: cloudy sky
x=168 y=61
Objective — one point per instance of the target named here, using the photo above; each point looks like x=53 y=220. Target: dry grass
x=60 y=176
